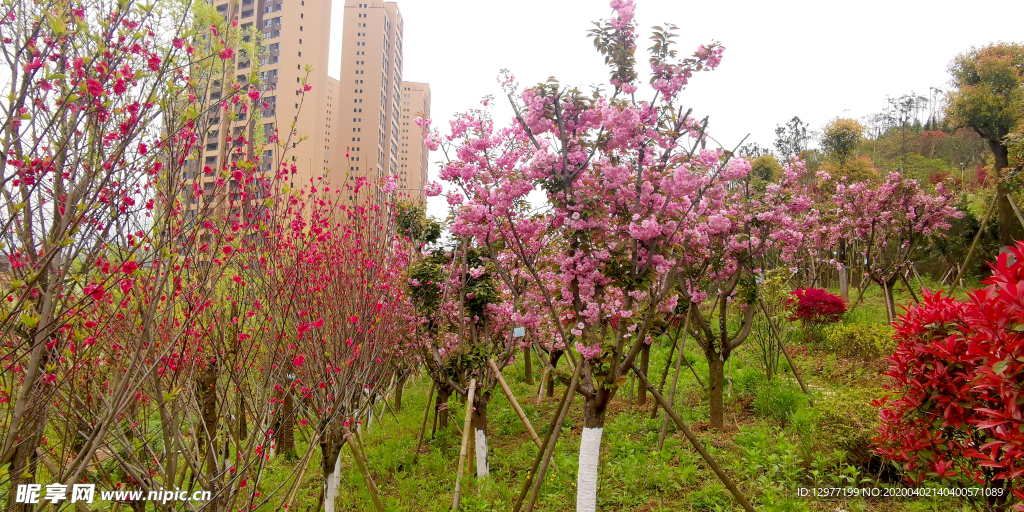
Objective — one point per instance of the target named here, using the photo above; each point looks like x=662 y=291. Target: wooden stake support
x=695 y=442
x=792 y=364
x=362 y=469
x=465 y=442
x=423 y=427
x=535 y=478
x=970 y=252
x=543 y=382
x=675 y=380
x=515 y=404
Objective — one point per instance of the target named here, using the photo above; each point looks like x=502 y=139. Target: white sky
x=815 y=59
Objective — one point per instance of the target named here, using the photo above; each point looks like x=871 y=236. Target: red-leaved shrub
x=814 y=305
x=956 y=408
x=815 y=308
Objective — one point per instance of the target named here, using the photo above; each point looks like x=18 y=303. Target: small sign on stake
x=519 y=332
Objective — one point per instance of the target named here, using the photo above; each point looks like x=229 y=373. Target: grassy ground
x=774 y=443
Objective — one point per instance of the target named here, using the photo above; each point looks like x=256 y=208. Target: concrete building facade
x=328 y=144
x=412 y=151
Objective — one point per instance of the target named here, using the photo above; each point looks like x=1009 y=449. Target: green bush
x=848 y=421
x=768 y=451
x=866 y=341
x=779 y=399
x=710 y=498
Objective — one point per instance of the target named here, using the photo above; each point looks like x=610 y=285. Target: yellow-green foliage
x=867 y=341
x=848 y=419
x=855 y=170
x=766 y=168
x=840 y=140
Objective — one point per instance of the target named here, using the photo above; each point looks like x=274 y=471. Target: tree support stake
x=695 y=442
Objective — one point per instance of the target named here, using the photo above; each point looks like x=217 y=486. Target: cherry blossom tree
x=630 y=192
x=889 y=220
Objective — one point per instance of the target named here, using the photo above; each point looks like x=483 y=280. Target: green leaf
x=57 y=24
x=1000 y=367
x=29 y=320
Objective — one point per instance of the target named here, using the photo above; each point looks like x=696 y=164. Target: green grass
x=774 y=443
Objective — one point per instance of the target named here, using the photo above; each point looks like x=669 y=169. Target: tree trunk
x=844 y=273
x=399 y=387
x=528 y=361
x=243 y=424
x=286 y=435
x=645 y=363
x=717 y=381
x=330 y=450
x=590 y=450
x=549 y=386
x=286 y=442
x=24 y=463
x=208 y=434
x=441 y=403
x=480 y=430
x=1010 y=229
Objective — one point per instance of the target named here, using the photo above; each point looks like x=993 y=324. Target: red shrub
x=816 y=306
x=957 y=406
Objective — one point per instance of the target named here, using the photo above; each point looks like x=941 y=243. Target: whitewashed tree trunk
x=590 y=453
x=482 y=469
x=331 y=482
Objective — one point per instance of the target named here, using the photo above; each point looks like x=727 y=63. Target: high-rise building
x=412 y=151
x=325 y=142
x=295 y=45
x=370 y=82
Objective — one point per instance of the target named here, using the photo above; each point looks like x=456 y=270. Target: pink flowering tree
x=889 y=221
x=150 y=323
x=332 y=274
x=104 y=289
x=464 y=317
x=639 y=215
x=738 y=225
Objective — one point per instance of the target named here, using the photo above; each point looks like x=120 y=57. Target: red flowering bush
x=957 y=410
x=815 y=308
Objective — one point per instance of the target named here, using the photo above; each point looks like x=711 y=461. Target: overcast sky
x=814 y=59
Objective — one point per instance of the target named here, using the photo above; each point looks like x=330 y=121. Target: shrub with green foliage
x=849 y=421
x=769 y=457
x=866 y=341
x=779 y=400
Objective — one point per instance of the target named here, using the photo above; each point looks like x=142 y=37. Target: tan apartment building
x=295 y=45
x=316 y=127
x=370 y=82
x=412 y=151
